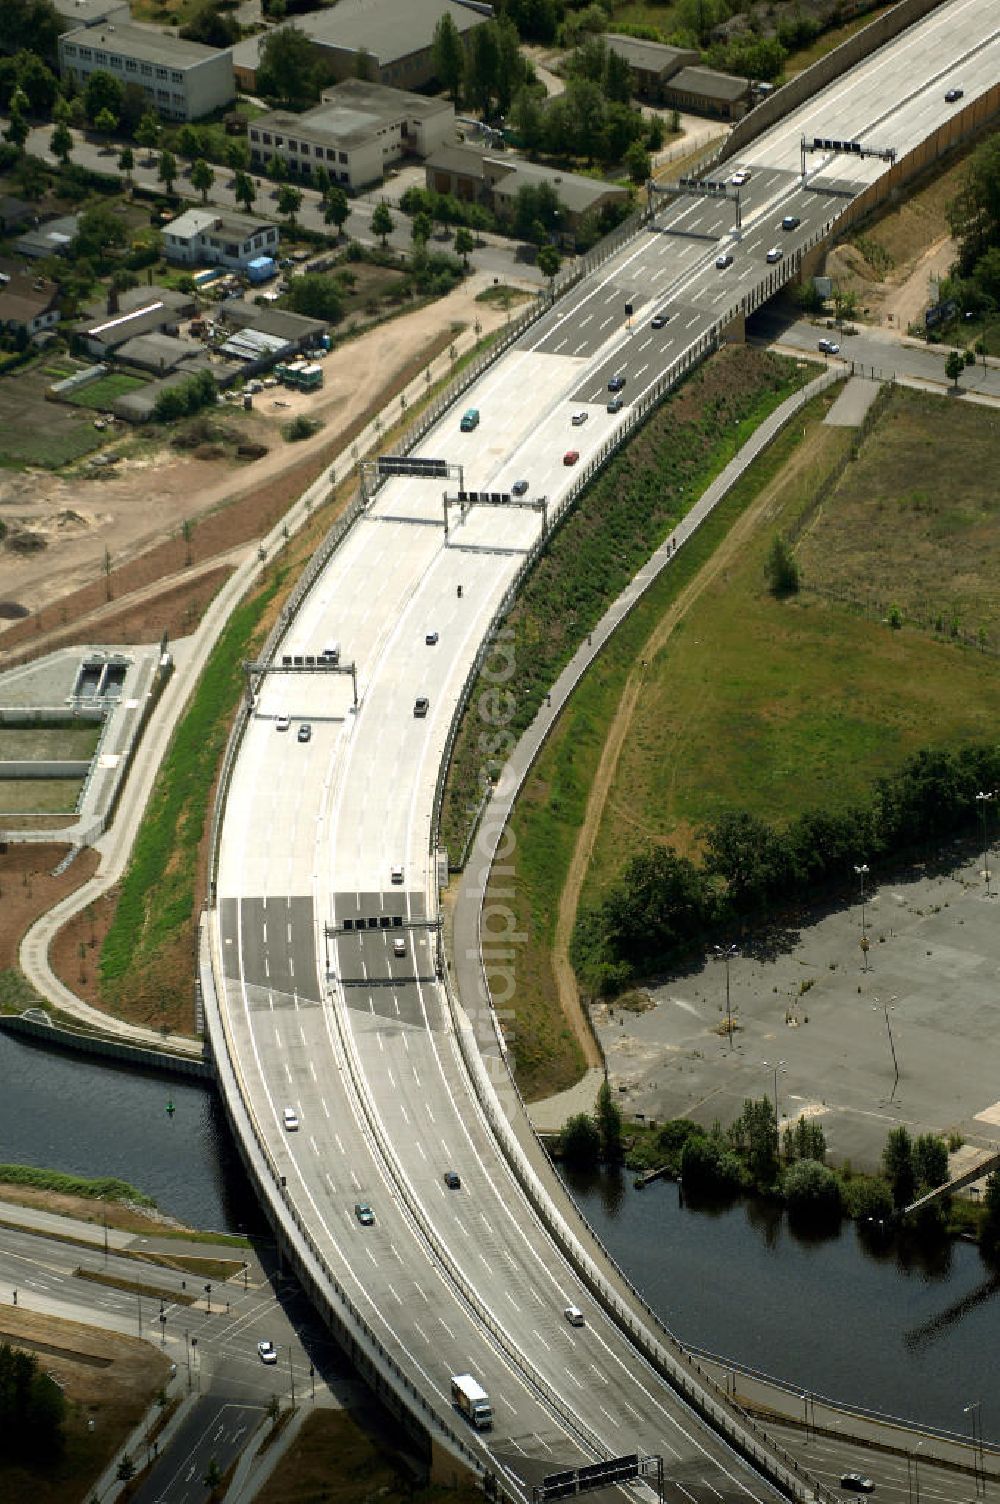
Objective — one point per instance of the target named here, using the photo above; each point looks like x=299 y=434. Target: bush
x=812 y=1193
x=580 y=1142
x=868 y=1199
x=186 y=397
x=709 y=1170
x=300 y=428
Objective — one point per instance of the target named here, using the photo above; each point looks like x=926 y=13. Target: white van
x=573 y=1315
x=399 y=946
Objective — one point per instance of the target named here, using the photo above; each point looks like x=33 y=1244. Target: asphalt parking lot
x=824 y=1026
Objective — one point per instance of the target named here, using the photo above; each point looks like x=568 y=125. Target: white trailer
x=471 y=1398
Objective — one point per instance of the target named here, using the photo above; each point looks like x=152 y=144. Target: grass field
x=339 y=1457
x=44 y=796
x=755 y=703
x=99 y=395
x=36 y=432
x=40 y=742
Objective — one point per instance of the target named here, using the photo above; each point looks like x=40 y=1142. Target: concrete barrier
x=58 y=1037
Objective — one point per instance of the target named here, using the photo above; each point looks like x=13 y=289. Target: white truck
x=473 y=1401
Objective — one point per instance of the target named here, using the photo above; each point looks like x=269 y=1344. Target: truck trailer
x=471 y=1398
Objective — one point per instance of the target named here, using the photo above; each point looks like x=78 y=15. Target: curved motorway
x=326 y=959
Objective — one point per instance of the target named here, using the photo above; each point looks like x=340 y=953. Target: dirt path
x=621 y=724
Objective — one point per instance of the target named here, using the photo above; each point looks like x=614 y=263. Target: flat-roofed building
x=357 y=132
x=703 y=91
x=651 y=63
x=210 y=237
x=182 y=80
x=91 y=12
x=476 y=176
x=393 y=41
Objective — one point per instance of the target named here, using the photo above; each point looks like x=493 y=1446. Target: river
x=912 y=1336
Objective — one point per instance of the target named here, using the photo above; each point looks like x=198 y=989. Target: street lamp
x=862 y=872
x=973 y=1410
x=984 y=799
x=726 y=953
x=775 y=1069
x=888 y=1029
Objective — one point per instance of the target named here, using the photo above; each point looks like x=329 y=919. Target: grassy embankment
x=621 y=519
x=778 y=706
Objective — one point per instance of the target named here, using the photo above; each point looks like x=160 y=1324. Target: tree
x=209 y=26
x=315 y=295
x=126 y=1470
x=930 y=1160
x=61 y=143
x=782 y=568
x=747 y=852
x=126 y=163
x=804 y=1140
x=510 y=69
x=37 y=82
x=287 y=68
x=188 y=142
x=617 y=78
x=869 y=1200
x=166 y=170
x=321 y=181
x=382 y=223
x=609 y=1125
x=974 y=216
x=134 y=106
x=449 y=57
x=897 y=1162
x=237 y=156
x=105 y=122
x=148 y=132
x=754 y=1137
x=465 y=244
x=202 y=178
x=953 y=367
x=528 y=117
x=244 y=190
x=289 y=201
x=32 y=1409
x=637 y=161
x=420 y=230
x=483 y=68
x=17 y=132
x=580 y=1142
x=32 y=25
x=706 y=1168
x=103 y=92
x=98 y=231
x=812 y=1193
x=336 y=209
x=549 y=262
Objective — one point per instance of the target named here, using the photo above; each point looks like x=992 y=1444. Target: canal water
x=894 y=1329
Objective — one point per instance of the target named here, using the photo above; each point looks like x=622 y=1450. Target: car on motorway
x=721 y=262
x=452 y=1180
x=573 y=1315
x=774 y=254
x=420 y=706
x=857 y=1482
x=282 y=722
x=616 y=404
x=305 y=732
x=267 y=1352
x=829 y=347
x=519 y=488
x=659 y=320
x=954 y=94
x=470 y=419
x=431 y=639
x=740 y=177
x=364 y=1213
x=790 y=222
x=617 y=383
x=571 y=456
x=290 y=1118
x=579 y=419
x=399 y=946
x=396 y=873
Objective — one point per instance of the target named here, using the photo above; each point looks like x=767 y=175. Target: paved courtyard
x=819 y=1023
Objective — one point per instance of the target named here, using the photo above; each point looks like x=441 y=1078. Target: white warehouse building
x=210 y=237
x=183 y=80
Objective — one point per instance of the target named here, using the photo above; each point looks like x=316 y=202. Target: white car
x=267 y=1352
x=829 y=347
x=774 y=254
x=573 y=1315
x=579 y=419
x=741 y=177
x=399 y=946
x=291 y=1119
x=282 y=722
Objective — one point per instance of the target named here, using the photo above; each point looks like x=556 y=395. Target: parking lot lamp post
x=726 y=953
x=892 y=1046
x=862 y=872
x=780 y=1068
x=984 y=800
x=973 y=1410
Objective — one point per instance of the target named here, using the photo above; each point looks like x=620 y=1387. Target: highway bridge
x=324 y=978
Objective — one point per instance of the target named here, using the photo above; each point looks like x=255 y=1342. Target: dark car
x=954 y=94
x=420 y=706
x=790 y=222
x=857 y=1482
x=660 y=320
x=305 y=732
x=571 y=456
x=616 y=383
x=452 y=1180
x=726 y=259
x=616 y=404
x=519 y=488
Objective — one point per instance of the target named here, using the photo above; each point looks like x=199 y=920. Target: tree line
x=665 y=907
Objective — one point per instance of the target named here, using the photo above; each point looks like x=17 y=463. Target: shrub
x=580 y=1142
x=868 y=1199
x=708 y=1170
x=812 y=1193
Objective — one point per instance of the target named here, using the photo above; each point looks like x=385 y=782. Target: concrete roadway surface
x=356 y=1039
x=215 y=1354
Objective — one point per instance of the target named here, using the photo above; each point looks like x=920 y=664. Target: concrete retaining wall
x=788 y=98
x=47 y=769
x=112 y=1049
